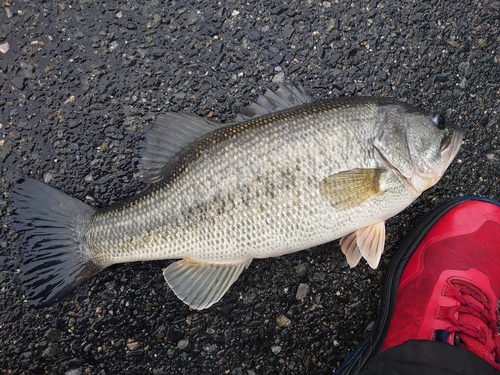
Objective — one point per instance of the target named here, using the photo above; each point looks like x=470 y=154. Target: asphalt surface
x=80 y=82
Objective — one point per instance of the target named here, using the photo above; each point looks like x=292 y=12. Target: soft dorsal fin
x=170 y=133
x=286 y=96
x=200 y=285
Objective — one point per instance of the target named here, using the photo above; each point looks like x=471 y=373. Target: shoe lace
x=474 y=321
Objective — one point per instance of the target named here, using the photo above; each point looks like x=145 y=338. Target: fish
x=287 y=174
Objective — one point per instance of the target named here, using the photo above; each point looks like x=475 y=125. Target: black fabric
x=427 y=358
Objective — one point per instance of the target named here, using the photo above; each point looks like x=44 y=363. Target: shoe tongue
x=442 y=335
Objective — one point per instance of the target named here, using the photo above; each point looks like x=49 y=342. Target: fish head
x=419 y=146
x=433 y=144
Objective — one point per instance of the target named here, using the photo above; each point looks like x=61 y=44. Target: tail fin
x=55 y=257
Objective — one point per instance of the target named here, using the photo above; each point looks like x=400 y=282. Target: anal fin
x=367 y=242
x=200 y=285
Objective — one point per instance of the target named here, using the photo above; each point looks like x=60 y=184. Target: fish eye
x=439 y=121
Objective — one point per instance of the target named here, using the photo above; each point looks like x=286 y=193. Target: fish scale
x=288 y=175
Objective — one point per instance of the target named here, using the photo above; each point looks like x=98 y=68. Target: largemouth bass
x=289 y=174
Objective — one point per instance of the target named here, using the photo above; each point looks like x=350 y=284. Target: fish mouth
x=456 y=142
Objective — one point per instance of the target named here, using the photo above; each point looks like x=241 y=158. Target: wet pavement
x=81 y=80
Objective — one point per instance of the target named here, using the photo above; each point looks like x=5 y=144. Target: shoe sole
x=371 y=345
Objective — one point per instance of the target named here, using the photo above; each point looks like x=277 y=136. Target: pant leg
x=427 y=358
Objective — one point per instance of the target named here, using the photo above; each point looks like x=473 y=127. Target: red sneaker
x=442 y=285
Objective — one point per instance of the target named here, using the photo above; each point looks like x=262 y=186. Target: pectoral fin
x=200 y=285
x=349 y=189
x=367 y=242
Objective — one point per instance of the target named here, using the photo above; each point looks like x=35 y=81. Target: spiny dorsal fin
x=286 y=96
x=367 y=242
x=200 y=285
x=170 y=133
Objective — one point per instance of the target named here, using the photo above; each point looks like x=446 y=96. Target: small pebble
x=133 y=344
x=301 y=268
x=210 y=348
x=70 y=100
x=4 y=47
x=283 y=321
x=182 y=344
x=156 y=20
x=18 y=82
x=113 y=45
x=279 y=78
x=302 y=291
x=51 y=351
x=47 y=177
x=53 y=335
x=318 y=276
x=463 y=67
x=276 y=349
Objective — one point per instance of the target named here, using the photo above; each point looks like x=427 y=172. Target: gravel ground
x=82 y=79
